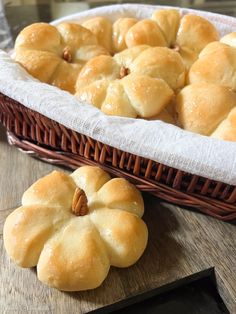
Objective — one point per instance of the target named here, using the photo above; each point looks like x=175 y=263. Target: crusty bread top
x=216 y=64
x=74 y=253
x=55 y=55
x=101 y=27
x=201 y=107
x=145 y=89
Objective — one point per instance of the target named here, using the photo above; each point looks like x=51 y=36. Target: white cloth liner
x=155 y=140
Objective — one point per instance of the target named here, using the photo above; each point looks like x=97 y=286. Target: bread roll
x=201 y=107
x=141 y=96
x=119 y=31
x=74 y=252
x=94 y=93
x=216 y=64
x=168 y=21
x=128 y=56
x=134 y=83
x=55 y=55
x=101 y=27
x=163 y=63
x=195 y=32
x=145 y=32
x=98 y=68
x=187 y=35
x=117 y=102
x=40 y=36
x=226 y=130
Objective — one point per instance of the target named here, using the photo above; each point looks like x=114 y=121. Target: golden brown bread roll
x=128 y=56
x=145 y=32
x=216 y=64
x=195 y=32
x=161 y=62
x=201 y=107
x=73 y=228
x=187 y=35
x=119 y=31
x=226 y=130
x=136 y=95
x=157 y=62
x=55 y=55
x=98 y=68
x=101 y=27
x=168 y=21
x=106 y=82
x=111 y=36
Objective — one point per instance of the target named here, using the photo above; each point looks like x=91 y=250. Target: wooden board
x=181 y=243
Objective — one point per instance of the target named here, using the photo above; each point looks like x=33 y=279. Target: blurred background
x=16 y=14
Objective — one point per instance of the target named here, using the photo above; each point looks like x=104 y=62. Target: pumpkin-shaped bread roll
x=136 y=82
x=201 y=107
x=55 y=55
x=187 y=35
x=74 y=227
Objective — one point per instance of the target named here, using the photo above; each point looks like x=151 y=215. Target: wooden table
x=181 y=243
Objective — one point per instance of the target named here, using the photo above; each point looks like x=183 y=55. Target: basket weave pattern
x=53 y=142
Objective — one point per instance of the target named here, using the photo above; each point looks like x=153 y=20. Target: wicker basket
x=52 y=142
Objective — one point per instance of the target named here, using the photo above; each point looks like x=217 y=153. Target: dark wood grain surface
x=181 y=243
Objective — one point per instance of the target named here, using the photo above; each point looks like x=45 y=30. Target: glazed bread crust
x=137 y=82
x=74 y=253
x=55 y=55
x=220 y=58
x=201 y=107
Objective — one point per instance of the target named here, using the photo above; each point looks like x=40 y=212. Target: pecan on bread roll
x=74 y=227
x=187 y=35
x=55 y=55
x=137 y=82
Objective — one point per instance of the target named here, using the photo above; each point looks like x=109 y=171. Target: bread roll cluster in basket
x=74 y=227
x=168 y=67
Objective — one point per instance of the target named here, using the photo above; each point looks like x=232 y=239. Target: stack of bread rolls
x=168 y=67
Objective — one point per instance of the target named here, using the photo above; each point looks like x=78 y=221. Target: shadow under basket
x=52 y=142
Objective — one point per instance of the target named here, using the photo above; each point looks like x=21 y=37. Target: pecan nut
x=79 y=203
